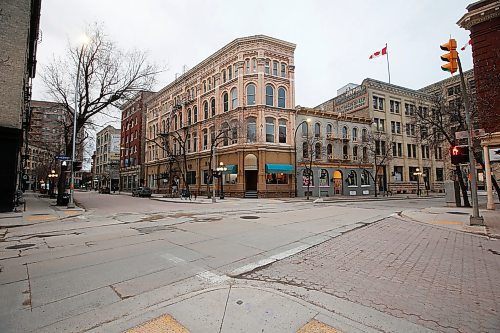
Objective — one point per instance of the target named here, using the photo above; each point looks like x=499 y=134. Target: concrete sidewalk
x=38 y=209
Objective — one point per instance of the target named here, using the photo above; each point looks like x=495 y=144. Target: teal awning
x=279 y=168
x=231 y=168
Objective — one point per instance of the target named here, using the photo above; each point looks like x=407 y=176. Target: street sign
x=63 y=158
x=463 y=134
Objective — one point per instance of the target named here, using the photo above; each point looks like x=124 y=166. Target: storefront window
x=324 y=180
x=307 y=178
x=276 y=178
x=352 y=179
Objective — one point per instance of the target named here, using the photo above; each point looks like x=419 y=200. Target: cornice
x=479 y=15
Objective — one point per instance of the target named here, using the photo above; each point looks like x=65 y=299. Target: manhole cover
x=458 y=213
x=19 y=246
x=249 y=217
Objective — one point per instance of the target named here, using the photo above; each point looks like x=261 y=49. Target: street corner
x=163 y=324
x=315 y=326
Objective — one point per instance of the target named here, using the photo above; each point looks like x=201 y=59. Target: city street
x=116 y=265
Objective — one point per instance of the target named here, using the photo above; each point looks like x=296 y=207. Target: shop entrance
x=251 y=176
x=337 y=182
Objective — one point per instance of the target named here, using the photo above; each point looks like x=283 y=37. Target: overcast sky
x=334 y=38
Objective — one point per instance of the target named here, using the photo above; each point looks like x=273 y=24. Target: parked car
x=141 y=192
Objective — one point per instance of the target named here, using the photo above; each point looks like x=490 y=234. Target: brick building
x=19 y=25
x=132 y=145
x=239 y=100
x=107 y=158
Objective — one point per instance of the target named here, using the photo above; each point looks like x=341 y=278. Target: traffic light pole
x=475 y=219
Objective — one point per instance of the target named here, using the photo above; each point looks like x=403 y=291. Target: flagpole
x=387 y=57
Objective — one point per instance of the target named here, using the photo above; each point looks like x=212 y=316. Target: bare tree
x=312 y=154
x=107 y=75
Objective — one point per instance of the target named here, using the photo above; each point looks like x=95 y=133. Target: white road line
x=212 y=277
x=172 y=258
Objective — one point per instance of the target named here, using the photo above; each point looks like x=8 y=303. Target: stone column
x=489 y=184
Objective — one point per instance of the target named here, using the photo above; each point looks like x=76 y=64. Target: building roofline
x=300 y=110
x=467 y=73
x=219 y=52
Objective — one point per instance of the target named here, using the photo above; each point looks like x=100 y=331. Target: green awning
x=279 y=168
x=231 y=168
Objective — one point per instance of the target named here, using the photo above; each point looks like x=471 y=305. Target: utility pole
x=213 y=172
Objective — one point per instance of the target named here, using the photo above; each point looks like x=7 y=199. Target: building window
x=438 y=152
x=195 y=142
x=365 y=178
x=411 y=150
x=317 y=130
x=275 y=68
x=212 y=105
x=269 y=129
x=307 y=178
x=269 y=95
x=276 y=178
x=267 y=66
x=234 y=133
x=380 y=148
x=283 y=69
x=410 y=129
x=205 y=139
x=236 y=72
x=205 y=110
x=305 y=150
x=282 y=131
x=439 y=174
x=225 y=134
x=394 y=106
x=380 y=124
x=352 y=179
x=281 y=97
x=189 y=116
x=395 y=127
x=251 y=130
x=329 y=128
x=398 y=173
x=425 y=151
x=344 y=133
x=409 y=109
x=230 y=73
x=355 y=153
x=234 y=98
x=354 y=134
x=378 y=103
x=254 y=65
x=225 y=99
x=251 y=94
x=305 y=129
x=329 y=151
x=413 y=177
x=195 y=114
x=247 y=66
x=345 y=152
x=224 y=79
x=317 y=151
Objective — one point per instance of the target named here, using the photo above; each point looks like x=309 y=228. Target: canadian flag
x=379 y=53
x=465 y=46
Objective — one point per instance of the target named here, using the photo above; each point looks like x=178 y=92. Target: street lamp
x=71 y=203
x=52 y=175
x=220 y=172
x=418 y=173
x=308 y=120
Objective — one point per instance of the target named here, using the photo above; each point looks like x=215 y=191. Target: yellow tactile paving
x=163 y=324
x=315 y=326
x=446 y=222
x=41 y=217
x=71 y=212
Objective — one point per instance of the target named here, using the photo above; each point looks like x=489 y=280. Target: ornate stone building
x=239 y=100
x=335 y=147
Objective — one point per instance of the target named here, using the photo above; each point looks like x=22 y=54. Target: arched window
x=354 y=134
x=355 y=153
x=307 y=178
x=205 y=139
x=329 y=130
x=205 y=110
x=282 y=131
x=189 y=116
x=251 y=130
x=254 y=65
x=317 y=151
x=269 y=95
x=251 y=94
x=352 y=179
x=317 y=130
x=324 y=178
x=329 y=151
x=344 y=132
x=234 y=132
x=247 y=66
x=364 y=135
x=195 y=114
x=365 y=178
x=283 y=69
x=269 y=129
x=212 y=106
x=365 y=154
x=305 y=150
x=225 y=134
x=225 y=99
x=281 y=97
x=234 y=98
x=345 y=152
x=305 y=129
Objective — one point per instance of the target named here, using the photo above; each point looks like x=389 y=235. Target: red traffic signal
x=450 y=57
x=459 y=154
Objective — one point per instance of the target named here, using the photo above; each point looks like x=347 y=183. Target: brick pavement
x=439 y=278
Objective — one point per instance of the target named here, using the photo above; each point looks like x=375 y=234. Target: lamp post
x=220 y=173
x=71 y=202
x=308 y=120
x=418 y=173
x=52 y=175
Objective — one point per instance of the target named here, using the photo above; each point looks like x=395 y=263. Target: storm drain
x=19 y=246
x=249 y=217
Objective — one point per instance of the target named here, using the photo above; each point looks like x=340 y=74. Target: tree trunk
x=61 y=188
x=462 y=186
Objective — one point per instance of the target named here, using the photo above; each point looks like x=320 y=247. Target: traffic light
x=77 y=165
x=451 y=57
x=459 y=154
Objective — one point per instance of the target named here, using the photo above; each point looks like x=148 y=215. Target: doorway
x=337 y=182
x=251 y=180
x=251 y=173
